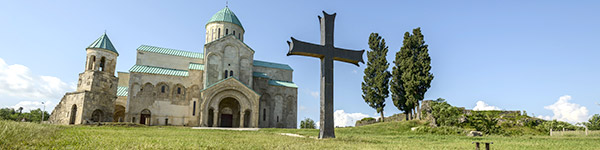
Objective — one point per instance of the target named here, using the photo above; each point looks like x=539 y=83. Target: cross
x=327 y=53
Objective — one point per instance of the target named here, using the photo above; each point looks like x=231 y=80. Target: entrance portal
x=73 y=114
x=229 y=113
x=145 y=117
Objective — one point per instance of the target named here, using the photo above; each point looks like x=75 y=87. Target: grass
x=390 y=135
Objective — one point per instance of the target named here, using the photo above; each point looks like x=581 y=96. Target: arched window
x=264 y=114
x=225 y=74
x=219 y=34
x=239 y=36
x=162 y=89
x=226 y=31
x=178 y=90
x=91 y=62
x=231 y=73
x=233 y=32
x=102 y=61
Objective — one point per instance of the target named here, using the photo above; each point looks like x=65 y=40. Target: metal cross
x=327 y=53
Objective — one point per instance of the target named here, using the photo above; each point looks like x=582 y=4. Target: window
x=162 y=89
x=178 y=90
x=264 y=114
x=239 y=36
x=194 y=109
x=233 y=32
x=226 y=31
x=219 y=33
x=166 y=121
x=277 y=118
x=231 y=73
x=102 y=61
x=91 y=62
x=225 y=74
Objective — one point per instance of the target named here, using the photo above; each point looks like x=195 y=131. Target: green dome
x=104 y=43
x=225 y=15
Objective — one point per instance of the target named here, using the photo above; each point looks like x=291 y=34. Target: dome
x=225 y=15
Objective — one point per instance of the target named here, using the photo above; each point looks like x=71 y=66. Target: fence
x=575 y=132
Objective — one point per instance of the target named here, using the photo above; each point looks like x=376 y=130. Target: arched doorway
x=229 y=110
x=97 y=115
x=73 y=114
x=145 y=117
x=119 y=114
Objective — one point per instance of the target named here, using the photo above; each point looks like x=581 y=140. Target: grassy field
x=392 y=135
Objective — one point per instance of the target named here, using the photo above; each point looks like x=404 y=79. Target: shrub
x=445 y=114
x=307 y=123
x=484 y=122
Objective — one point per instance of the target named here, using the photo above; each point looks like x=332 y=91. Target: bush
x=485 y=123
x=307 y=123
x=594 y=123
x=445 y=114
x=443 y=130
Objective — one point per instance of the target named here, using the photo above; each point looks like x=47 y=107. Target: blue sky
x=538 y=56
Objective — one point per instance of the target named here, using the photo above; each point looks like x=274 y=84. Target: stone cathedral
x=222 y=87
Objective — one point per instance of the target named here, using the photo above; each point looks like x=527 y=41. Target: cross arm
x=349 y=56
x=305 y=49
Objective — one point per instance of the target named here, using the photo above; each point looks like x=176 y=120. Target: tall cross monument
x=327 y=53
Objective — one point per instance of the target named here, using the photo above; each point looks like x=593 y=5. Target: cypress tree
x=410 y=75
x=375 y=86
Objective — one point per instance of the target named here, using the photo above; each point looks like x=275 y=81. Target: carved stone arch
x=147 y=89
x=265 y=110
x=242 y=99
x=178 y=92
x=278 y=105
x=162 y=90
x=214 y=67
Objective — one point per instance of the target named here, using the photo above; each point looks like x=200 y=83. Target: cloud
x=343 y=119
x=301 y=108
x=32 y=105
x=17 y=83
x=480 y=105
x=315 y=94
x=565 y=111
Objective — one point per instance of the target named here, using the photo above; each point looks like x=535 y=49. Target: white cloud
x=544 y=117
x=343 y=119
x=484 y=106
x=32 y=105
x=569 y=112
x=301 y=108
x=17 y=83
x=315 y=94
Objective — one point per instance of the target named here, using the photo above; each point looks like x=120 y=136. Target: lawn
x=392 y=135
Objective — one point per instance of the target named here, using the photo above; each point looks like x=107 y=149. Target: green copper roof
x=122 y=91
x=169 y=51
x=104 y=43
x=260 y=74
x=195 y=66
x=158 y=70
x=272 y=65
x=225 y=15
x=283 y=83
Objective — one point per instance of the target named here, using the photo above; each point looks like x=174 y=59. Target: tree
x=410 y=75
x=375 y=86
x=307 y=123
x=593 y=123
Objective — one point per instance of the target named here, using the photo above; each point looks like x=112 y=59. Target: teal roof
x=272 y=65
x=225 y=15
x=283 y=83
x=169 y=51
x=104 y=43
x=122 y=91
x=158 y=70
x=195 y=66
x=260 y=74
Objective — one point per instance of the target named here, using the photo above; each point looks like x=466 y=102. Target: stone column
x=215 y=118
x=242 y=117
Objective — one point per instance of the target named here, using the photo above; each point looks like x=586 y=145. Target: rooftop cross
x=327 y=53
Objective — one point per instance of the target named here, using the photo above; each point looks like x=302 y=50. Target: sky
x=537 y=56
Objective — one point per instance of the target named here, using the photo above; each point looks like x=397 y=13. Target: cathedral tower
x=94 y=99
x=224 y=23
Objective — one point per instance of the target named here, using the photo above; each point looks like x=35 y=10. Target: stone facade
x=222 y=87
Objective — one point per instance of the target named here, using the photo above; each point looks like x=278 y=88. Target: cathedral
x=222 y=87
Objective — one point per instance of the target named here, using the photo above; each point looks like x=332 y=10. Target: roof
x=104 y=43
x=196 y=66
x=225 y=15
x=283 y=83
x=122 y=91
x=260 y=74
x=272 y=65
x=158 y=70
x=169 y=51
